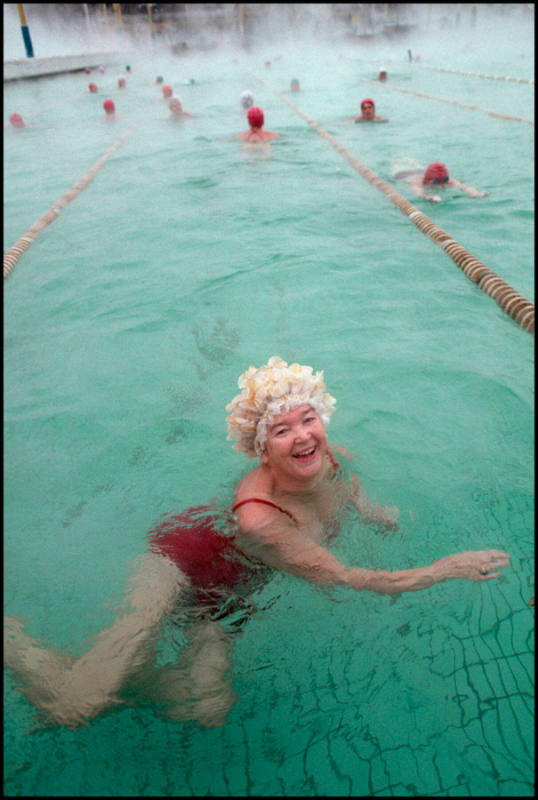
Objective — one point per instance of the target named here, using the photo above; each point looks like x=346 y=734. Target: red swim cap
x=367 y=100
x=255 y=117
x=435 y=170
x=92 y=87
x=109 y=106
x=167 y=90
x=16 y=120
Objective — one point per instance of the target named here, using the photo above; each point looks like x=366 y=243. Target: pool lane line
x=477 y=74
x=452 y=102
x=14 y=253
x=512 y=303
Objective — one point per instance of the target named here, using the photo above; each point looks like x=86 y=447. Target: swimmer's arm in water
x=417 y=187
x=372 y=513
x=281 y=546
x=467 y=189
x=78 y=689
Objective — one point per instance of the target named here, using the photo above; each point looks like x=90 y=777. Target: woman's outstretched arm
x=281 y=546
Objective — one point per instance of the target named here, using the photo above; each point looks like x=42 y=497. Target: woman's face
x=296 y=444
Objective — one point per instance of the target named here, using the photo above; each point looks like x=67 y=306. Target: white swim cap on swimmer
x=247 y=99
x=267 y=391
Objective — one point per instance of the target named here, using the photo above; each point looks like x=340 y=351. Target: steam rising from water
x=440 y=34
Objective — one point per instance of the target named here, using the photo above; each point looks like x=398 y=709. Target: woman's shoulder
x=253 y=484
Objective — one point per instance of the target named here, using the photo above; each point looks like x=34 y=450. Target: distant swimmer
x=367 y=113
x=121 y=82
x=167 y=91
x=176 y=107
x=256 y=134
x=382 y=74
x=294 y=86
x=436 y=174
x=159 y=79
x=16 y=120
x=247 y=100
x=110 y=108
x=93 y=88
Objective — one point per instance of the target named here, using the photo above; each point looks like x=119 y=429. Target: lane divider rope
x=477 y=74
x=14 y=253
x=451 y=102
x=512 y=303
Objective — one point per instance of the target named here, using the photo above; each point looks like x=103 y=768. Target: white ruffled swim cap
x=267 y=391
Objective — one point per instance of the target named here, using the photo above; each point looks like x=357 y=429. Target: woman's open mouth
x=305 y=455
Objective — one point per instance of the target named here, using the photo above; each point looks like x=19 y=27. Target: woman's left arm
x=371 y=512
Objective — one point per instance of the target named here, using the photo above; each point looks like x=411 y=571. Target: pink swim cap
x=435 y=170
x=255 y=117
x=367 y=100
x=16 y=120
x=92 y=87
x=167 y=90
x=109 y=106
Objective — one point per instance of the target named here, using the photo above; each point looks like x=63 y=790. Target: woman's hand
x=475 y=565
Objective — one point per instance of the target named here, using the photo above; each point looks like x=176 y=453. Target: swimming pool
x=127 y=323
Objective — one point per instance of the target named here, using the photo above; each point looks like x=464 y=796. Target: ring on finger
x=484 y=570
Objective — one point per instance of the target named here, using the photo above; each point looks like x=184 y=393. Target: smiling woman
x=123 y=348
x=287 y=510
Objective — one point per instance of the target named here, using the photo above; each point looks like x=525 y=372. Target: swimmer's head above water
x=16 y=120
x=167 y=90
x=435 y=173
x=367 y=108
x=109 y=107
x=275 y=388
x=247 y=100
x=255 y=117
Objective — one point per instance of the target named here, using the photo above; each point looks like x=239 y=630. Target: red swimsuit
x=210 y=559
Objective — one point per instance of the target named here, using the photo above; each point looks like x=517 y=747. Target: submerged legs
x=199 y=688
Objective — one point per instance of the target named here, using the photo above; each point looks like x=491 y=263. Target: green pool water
x=126 y=326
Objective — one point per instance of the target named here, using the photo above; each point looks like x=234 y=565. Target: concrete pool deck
x=22 y=68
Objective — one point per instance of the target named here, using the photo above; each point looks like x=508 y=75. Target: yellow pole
x=106 y=15
x=148 y=6
x=241 y=17
x=117 y=14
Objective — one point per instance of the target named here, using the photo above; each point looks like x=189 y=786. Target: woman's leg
x=70 y=691
x=199 y=687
